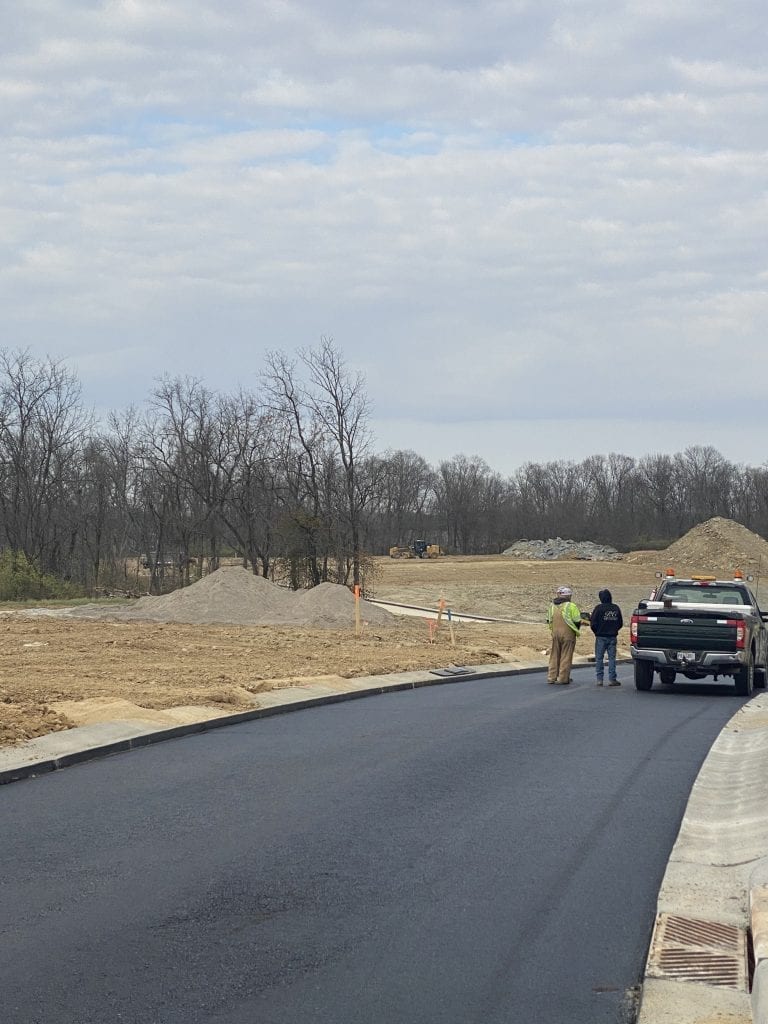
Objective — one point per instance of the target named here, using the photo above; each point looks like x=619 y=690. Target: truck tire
x=760 y=673
x=643 y=675
x=745 y=678
x=667 y=676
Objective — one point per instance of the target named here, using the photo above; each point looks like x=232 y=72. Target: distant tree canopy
x=284 y=479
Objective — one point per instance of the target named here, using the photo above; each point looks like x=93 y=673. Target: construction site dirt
x=58 y=671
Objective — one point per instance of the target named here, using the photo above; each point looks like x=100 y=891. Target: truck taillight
x=633 y=626
x=741 y=633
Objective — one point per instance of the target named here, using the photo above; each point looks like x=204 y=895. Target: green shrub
x=21 y=580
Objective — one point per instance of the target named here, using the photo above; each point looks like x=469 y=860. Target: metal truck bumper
x=708 y=661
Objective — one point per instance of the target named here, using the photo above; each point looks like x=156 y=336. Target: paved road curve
x=478 y=852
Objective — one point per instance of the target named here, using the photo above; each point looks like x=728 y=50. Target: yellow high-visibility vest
x=569 y=611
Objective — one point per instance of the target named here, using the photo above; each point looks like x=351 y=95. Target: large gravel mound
x=233 y=595
x=556 y=549
x=716 y=546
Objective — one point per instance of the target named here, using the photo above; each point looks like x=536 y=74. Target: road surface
x=484 y=851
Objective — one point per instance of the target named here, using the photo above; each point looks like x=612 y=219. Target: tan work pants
x=561 y=657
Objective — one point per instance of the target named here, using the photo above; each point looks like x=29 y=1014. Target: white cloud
x=497 y=210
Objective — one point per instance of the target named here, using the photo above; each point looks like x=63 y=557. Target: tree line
x=285 y=478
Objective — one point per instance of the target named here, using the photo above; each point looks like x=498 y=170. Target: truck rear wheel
x=745 y=678
x=643 y=675
x=667 y=676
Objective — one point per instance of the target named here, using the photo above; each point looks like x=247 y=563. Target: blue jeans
x=605 y=645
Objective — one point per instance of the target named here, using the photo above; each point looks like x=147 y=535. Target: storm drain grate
x=703 y=933
x=684 y=949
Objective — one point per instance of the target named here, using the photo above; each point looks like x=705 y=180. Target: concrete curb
x=716 y=883
x=137 y=736
x=758 y=913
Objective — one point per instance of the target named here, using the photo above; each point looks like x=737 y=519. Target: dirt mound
x=234 y=596
x=332 y=606
x=719 y=545
x=19 y=722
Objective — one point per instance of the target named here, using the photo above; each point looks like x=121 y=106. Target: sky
x=537 y=228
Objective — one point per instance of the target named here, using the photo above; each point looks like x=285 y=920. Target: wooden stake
x=357 y=610
x=450 y=629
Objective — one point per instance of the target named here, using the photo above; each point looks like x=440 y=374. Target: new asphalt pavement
x=484 y=851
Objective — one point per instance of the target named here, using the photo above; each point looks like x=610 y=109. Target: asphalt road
x=477 y=852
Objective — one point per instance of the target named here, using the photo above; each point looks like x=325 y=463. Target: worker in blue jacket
x=605 y=622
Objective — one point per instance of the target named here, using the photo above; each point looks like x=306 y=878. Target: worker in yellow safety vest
x=564 y=621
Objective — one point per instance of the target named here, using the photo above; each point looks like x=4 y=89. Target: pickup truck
x=700 y=627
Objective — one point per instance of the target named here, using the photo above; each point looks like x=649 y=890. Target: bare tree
x=339 y=401
x=404 y=490
x=250 y=504
x=300 y=449
x=43 y=428
x=460 y=483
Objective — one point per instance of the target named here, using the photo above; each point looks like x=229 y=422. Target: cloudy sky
x=538 y=227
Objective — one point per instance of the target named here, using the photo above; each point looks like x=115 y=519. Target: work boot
x=614 y=682
x=599 y=682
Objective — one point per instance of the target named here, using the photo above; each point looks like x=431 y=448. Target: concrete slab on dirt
x=672 y=1002
x=62 y=744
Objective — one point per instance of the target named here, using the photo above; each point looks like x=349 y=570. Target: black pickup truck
x=700 y=627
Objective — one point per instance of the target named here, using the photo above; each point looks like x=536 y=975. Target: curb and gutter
x=708 y=958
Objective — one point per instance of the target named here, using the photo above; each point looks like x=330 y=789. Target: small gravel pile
x=234 y=596
x=557 y=549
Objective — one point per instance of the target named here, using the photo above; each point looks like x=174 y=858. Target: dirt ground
x=59 y=672
x=56 y=673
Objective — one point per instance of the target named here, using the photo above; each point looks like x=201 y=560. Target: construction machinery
x=417 y=549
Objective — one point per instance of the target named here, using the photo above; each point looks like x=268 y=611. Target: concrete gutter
x=715 y=886
x=422 y=612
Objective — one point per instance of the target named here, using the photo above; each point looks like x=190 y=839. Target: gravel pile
x=234 y=596
x=557 y=549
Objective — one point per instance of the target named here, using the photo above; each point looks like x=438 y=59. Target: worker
x=564 y=621
x=605 y=622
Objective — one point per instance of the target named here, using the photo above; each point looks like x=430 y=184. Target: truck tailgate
x=691 y=632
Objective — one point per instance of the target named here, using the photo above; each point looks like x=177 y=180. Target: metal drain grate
x=685 y=949
x=702 y=933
